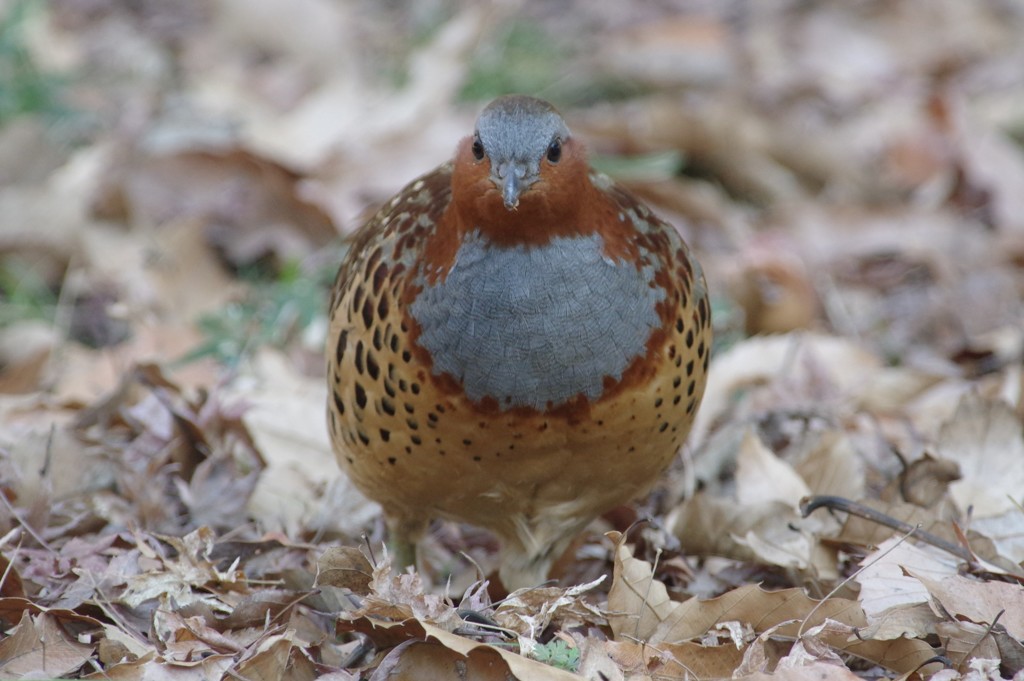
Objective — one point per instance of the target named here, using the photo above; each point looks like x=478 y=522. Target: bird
x=516 y=342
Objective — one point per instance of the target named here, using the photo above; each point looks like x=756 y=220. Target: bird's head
x=520 y=169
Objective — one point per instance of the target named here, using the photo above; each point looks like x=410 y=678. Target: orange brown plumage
x=515 y=342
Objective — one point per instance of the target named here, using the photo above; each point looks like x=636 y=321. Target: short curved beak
x=511 y=188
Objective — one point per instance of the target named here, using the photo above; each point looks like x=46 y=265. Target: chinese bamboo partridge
x=515 y=342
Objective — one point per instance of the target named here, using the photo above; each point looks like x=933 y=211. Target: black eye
x=555 y=151
x=478 y=149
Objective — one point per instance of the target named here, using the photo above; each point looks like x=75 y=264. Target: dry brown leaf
x=187 y=279
x=772 y=285
x=25 y=349
x=415 y=660
x=986 y=439
x=833 y=466
x=344 y=567
x=691 y=50
x=698 y=522
x=302 y=487
x=924 y=482
x=39 y=647
x=596 y=661
x=806 y=363
x=250 y=207
x=761 y=477
x=979 y=602
x=278 y=657
x=521 y=667
x=966 y=641
x=655 y=619
x=529 y=612
x=883 y=580
x=403 y=595
x=637 y=603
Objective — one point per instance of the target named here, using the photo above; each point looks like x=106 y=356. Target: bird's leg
x=403 y=535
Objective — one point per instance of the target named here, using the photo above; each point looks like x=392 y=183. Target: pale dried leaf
x=986 y=439
x=761 y=477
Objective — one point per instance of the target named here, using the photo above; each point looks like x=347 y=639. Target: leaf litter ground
x=174 y=180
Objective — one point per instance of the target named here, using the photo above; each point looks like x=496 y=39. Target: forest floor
x=176 y=181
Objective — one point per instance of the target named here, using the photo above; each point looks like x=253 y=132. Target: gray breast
x=536 y=326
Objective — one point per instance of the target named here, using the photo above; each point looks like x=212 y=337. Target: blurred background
x=175 y=176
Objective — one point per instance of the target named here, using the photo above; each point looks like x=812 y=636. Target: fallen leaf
x=986 y=440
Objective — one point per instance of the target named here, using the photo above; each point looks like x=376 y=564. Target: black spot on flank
x=679 y=325
x=371 y=261
x=663 y=427
x=439 y=408
x=412 y=423
x=359 y=357
x=404 y=327
x=392 y=460
x=383 y=307
x=677 y=399
x=408 y=449
x=389 y=388
x=657 y=403
x=406 y=356
x=402 y=385
x=700 y=349
x=689 y=368
x=467 y=442
x=363 y=437
x=706 y=358
x=690 y=406
x=360 y=396
x=432 y=417
x=441 y=452
x=379 y=275
x=600 y=422
x=631 y=449
x=415 y=387
x=350 y=460
x=387 y=406
x=679 y=360
x=416 y=440
x=385 y=434
x=690 y=388
x=367 y=314
x=339 y=350
x=476 y=458
x=378 y=343
x=702 y=310
x=332 y=419
x=689 y=338
x=394 y=343
x=372 y=367
x=409 y=408
x=338 y=403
